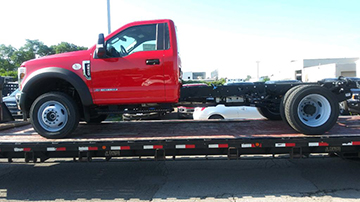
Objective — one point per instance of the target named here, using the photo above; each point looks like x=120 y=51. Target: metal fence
x=9 y=87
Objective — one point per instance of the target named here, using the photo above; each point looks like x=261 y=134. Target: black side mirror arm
x=100 y=51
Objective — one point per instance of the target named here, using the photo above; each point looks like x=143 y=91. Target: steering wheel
x=123 y=51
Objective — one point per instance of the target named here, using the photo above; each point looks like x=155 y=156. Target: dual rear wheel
x=310 y=109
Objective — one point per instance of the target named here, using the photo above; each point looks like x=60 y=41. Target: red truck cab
x=140 y=66
x=136 y=64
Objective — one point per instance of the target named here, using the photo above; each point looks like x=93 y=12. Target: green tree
x=66 y=47
x=6 y=62
x=264 y=78
x=11 y=58
x=8 y=73
x=32 y=49
x=38 y=48
x=20 y=56
x=248 y=77
x=218 y=82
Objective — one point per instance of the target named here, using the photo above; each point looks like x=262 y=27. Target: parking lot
x=191 y=179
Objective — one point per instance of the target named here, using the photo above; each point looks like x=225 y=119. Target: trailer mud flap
x=160 y=155
x=85 y=156
x=233 y=153
x=296 y=152
x=30 y=156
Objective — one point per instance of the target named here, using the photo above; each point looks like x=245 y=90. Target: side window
x=133 y=39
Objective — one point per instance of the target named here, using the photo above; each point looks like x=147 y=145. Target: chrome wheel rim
x=52 y=116
x=314 y=110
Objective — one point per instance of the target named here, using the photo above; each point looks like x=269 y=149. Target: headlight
x=21 y=75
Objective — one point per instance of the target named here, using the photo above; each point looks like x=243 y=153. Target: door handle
x=152 y=62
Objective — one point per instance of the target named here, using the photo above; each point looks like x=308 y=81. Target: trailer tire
x=269 y=114
x=284 y=100
x=311 y=109
x=54 y=115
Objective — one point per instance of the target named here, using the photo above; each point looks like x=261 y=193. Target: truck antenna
x=108 y=16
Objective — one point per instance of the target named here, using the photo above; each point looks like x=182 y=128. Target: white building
x=193 y=76
x=312 y=70
x=214 y=74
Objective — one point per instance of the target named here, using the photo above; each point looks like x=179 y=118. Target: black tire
x=216 y=116
x=344 y=108
x=97 y=119
x=284 y=100
x=54 y=115
x=315 y=115
x=270 y=114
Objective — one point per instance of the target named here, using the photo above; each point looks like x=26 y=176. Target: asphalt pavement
x=194 y=179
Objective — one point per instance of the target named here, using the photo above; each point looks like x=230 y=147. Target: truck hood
x=77 y=54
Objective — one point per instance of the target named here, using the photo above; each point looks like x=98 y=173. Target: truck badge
x=76 y=66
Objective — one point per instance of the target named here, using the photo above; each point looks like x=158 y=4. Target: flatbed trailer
x=172 y=138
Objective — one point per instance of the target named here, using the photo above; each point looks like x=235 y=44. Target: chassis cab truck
x=137 y=63
x=137 y=68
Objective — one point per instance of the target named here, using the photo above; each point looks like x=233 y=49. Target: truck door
x=133 y=71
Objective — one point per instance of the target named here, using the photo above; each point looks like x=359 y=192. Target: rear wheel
x=311 y=110
x=284 y=100
x=54 y=115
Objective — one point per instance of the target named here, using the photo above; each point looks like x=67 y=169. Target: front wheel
x=311 y=110
x=54 y=115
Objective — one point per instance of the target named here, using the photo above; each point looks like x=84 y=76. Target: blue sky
x=228 y=35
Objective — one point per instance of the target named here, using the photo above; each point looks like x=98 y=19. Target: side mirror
x=100 y=47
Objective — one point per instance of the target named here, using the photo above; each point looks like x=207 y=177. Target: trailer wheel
x=311 y=110
x=54 y=115
x=283 y=101
x=98 y=119
x=270 y=114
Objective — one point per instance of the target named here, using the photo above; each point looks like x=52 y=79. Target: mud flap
x=5 y=114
